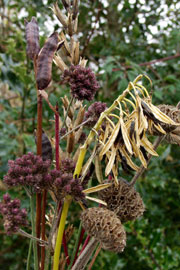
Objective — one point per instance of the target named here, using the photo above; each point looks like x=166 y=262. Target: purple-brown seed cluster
x=82 y=82
x=93 y=113
x=30 y=170
x=13 y=216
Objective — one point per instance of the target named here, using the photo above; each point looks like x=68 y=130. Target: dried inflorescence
x=44 y=61
x=93 y=113
x=13 y=216
x=67 y=165
x=106 y=227
x=64 y=184
x=82 y=82
x=32 y=37
x=124 y=200
x=30 y=170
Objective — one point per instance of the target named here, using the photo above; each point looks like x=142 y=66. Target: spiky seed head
x=124 y=200
x=106 y=227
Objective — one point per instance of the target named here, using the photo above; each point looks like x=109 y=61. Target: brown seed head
x=106 y=227
x=124 y=200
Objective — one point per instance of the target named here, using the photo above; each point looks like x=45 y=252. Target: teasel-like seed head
x=124 y=200
x=82 y=82
x=106 y=227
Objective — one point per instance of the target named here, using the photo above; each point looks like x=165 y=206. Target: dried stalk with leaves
x=118 y=137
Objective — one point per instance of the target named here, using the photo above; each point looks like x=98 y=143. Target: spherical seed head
x=93 y=113
x=124 y=200
x=106 y=227
x=82 y=82
x=67 y=165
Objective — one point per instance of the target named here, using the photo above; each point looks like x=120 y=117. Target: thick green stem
x=57 y=251
x=34 y=232
x=28 y=264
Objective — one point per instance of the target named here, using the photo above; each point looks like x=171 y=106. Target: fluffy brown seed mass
x=106 y=227
x=124 y=200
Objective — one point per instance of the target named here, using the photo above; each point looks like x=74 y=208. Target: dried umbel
x=32 y=38
x=106 y=227
x=13 y=216
x=82 y=82
x=64 y=184
x=30 y=170
x=44 y=61
x=124 y=200
x=93 y=113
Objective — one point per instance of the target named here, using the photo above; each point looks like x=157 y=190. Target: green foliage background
x=118 y=38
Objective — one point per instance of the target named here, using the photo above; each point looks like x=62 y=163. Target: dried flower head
x=106 y=227
x=13 y=216
x=67 y=165
x=124 y=200
x=29 y=170
x=82 y=82
x=93 y=113
x=32 y=38
x=64 y=184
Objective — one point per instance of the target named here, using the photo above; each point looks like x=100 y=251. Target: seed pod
x=46 y=147
x=32 y=38
x=124 y=200
x=44 y=62
x=106 y=227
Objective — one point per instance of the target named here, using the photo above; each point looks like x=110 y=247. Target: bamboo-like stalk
x=85 y=243
x=57 y=251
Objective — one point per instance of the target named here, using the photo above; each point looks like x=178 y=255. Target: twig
x=43 y=222
x=142 y=169
x=33 y=238
x=151 y=62
x=85 y=255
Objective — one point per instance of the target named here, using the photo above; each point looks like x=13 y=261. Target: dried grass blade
x=96 y=188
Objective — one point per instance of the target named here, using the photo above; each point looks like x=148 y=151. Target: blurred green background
x=120 y=39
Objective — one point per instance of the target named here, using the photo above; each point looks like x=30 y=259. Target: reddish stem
x=65 y=249
x=85 y=243
x=39 y=152
x=43 y=222
x=80 y=241
x=57 y=137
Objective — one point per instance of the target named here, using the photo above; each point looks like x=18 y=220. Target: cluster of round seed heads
x=13 y=216
x=106 y=227
x=29 y=170
x=93 y=113
x=124 y=200
x=82 y=82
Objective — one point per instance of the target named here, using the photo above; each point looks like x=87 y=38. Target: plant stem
x=57 y=137
x=29 y=255
x=76 y=246
x=43 y=232
x=94 y=257
x=85 y=243
x=142 y=169
x=79 y=243
x=57 y=251
x=34 y=233
x=39 y=152
x=69 y=105
x=65 y=249
x=85 y=255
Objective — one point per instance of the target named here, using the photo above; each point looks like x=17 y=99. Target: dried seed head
x=32 y=38
x=82 y=82
x=124 y=200
x=106 y=227
x=44 y=62
x=46 y=147
x=13 y=216
x=94 y=111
